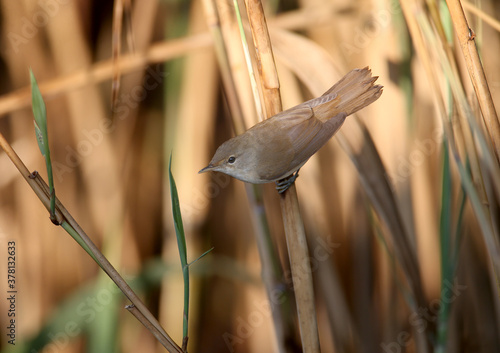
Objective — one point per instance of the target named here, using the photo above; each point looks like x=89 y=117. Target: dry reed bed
x=403 y=236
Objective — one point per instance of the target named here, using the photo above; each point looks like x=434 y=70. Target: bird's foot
x=283 y=184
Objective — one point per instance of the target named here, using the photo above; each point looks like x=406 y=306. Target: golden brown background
x=111 y=173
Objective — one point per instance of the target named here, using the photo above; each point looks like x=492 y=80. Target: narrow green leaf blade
x=202 y=255
x=39 y=138
x=40 y=115
x=74 y=234
x=181 y=244
x=42 y=137
x=179 y=228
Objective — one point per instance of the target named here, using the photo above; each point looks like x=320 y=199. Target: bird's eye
x=231 y=160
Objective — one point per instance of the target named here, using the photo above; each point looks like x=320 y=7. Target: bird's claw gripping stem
x=283 y=184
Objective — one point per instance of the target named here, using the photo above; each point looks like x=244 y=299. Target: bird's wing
x=296 y=134
x=278 y=141
x=309 y=135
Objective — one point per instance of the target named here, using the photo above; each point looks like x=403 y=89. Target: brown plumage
x=277 y=147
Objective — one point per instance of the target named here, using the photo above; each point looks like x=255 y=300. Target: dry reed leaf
x=289 y=48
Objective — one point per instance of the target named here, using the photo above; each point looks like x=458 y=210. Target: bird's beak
x=207 y=168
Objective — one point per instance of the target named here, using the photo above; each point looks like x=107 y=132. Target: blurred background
x=401 y=210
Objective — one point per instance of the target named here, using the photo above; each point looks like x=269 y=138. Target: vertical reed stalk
x=294 y=227
x=272 y=272
x=466 y=37
x=301 y=270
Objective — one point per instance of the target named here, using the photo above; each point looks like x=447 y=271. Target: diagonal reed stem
x=62 y=215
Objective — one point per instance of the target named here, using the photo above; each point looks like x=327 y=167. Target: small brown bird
x=276 y=148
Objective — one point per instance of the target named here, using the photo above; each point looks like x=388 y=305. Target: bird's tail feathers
x=353 y=92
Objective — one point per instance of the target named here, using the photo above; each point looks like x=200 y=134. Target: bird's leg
x=283 y=184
